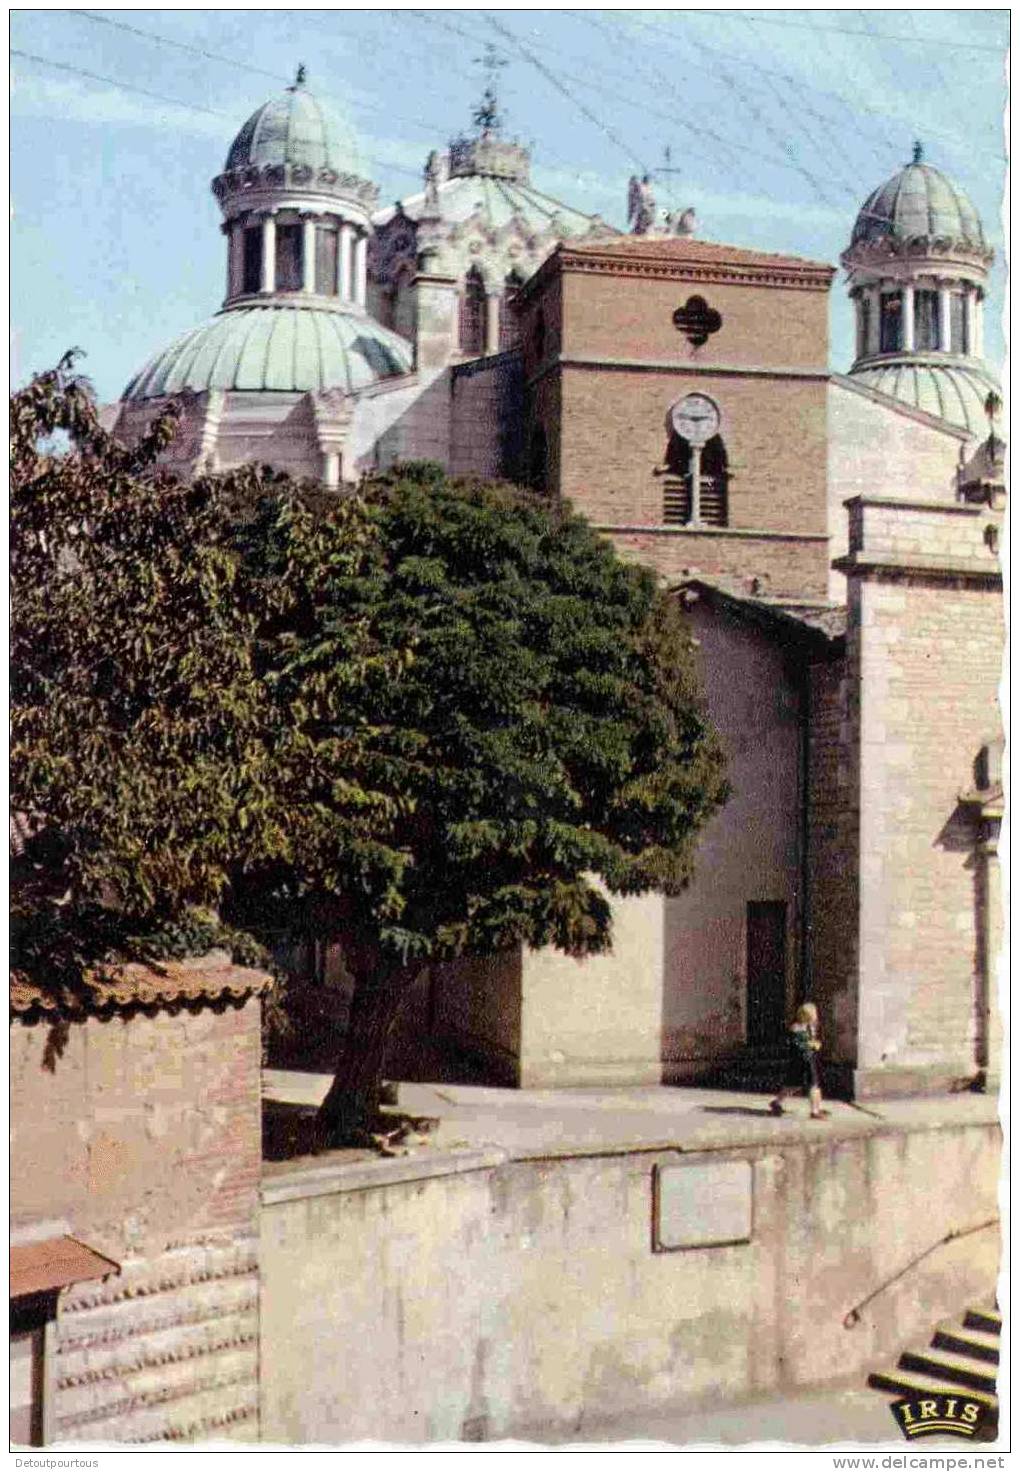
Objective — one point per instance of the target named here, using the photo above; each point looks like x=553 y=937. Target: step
x=976 y=1343
x=988 y=1319
x=956 y=1368
x=911 y=1383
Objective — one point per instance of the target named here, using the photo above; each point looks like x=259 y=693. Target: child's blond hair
x=807 y=1013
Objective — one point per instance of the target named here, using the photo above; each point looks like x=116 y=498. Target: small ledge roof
x=276 y=346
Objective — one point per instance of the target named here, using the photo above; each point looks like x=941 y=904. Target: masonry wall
x=400 y=421
x=522 y=1298
x=486 y=437
x=925 y=614
x=477 y=1010
x=140 y=1134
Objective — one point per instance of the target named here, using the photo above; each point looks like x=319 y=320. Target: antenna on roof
x=299 y=80
x=918 y=152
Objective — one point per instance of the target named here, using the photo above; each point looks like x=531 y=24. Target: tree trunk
x=351 y=1107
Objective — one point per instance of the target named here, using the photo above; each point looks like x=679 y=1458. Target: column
x=969 y=303
x=235 y=258
x=874 y=318
x=360 y=269
x=907 y=313
x=308 y=253
x=945 y=331
x=268 y=254
x=492 y=322
x=344 y=269
x=695 y=485
x=331 y=469
x=978 y=350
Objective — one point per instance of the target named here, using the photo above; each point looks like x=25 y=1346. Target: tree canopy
x=429 y=720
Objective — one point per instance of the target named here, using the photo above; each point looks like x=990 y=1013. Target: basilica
x=833 y=537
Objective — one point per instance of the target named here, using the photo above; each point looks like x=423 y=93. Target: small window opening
x=926 y=320
x=327 y=247
x=509 y=330
x=252 y=269
x=891 y=339
x=288 y=257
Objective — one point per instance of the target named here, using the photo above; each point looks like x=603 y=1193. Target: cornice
x=797 y=278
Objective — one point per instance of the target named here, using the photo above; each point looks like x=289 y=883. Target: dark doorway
x=766 y=971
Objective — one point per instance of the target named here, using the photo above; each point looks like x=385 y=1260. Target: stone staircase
x=962 y=1356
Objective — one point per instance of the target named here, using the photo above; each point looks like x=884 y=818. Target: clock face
x=695 y=418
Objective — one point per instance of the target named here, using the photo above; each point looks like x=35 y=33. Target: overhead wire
x=78 y=71
x=880 y=36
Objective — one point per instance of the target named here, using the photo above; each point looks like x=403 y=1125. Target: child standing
x=802 y=1076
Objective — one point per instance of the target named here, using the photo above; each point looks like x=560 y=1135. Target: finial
x=299 y=80
x=918 y=152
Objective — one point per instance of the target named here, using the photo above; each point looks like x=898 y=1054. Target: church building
x=833 y=538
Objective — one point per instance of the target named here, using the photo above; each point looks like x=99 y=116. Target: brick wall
x=140 y=1134
x=791 y=565
x=631 y=316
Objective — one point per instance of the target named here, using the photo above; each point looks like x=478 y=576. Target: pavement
x=595 y=1121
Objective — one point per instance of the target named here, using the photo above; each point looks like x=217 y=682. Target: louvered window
x=677 y=484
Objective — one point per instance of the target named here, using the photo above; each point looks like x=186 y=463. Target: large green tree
x=531 y=726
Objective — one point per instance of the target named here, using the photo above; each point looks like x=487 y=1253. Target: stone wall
x=148 y=1127
x=523 y=1297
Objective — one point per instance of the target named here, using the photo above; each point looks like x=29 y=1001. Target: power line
x=560 y=86
x=120 y=25
x=63 y=66
x=78 y=71
x=867 y=35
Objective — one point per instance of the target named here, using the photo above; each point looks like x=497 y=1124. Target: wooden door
x=766 y=971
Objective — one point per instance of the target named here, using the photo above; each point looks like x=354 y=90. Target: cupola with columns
x=296 y=208
x=917 y=265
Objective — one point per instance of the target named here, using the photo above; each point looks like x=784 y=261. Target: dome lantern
x=917 y=264
x=295 y=202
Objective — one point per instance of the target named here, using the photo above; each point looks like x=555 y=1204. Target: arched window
x=538 y=460
x=509 y=330
x=472 y=314
x=677 y=487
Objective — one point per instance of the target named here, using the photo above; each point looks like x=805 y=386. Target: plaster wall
x=598 y=1020
x=404 y=420
x=486 y=431
x=477 y=1008
x=522 y=1298
x=749 y=850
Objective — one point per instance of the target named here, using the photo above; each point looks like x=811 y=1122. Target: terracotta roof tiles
x=209 y=978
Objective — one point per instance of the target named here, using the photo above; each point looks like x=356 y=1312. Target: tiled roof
x=816 y=623
x=209 y=978
x=687 y=248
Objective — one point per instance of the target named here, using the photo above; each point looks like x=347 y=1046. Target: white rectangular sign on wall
x=702 y=1205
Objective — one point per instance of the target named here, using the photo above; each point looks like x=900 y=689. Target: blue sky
x=779 y=123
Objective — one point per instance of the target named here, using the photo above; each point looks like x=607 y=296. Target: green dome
x=296 y=129
x=919 y=203
x=276 y=347
x=954 y=389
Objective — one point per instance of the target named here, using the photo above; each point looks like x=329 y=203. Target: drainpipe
x=804 y=978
